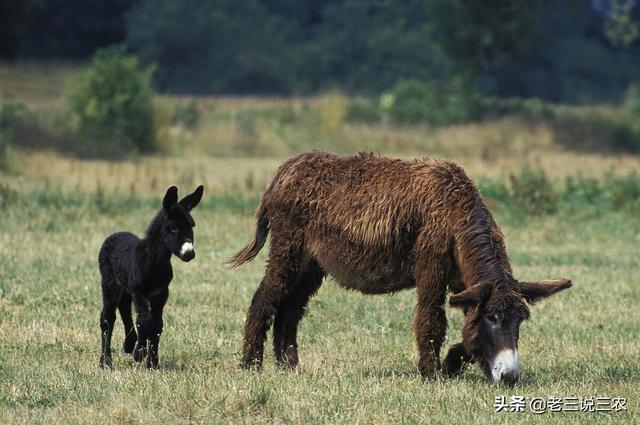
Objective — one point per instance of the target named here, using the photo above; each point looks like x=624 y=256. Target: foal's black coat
x=139 y=270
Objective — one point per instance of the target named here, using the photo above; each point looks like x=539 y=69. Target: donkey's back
x=360 y=217
x=117 y=253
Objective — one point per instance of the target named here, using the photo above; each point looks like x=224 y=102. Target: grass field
x=358 y=359
x=357 y=353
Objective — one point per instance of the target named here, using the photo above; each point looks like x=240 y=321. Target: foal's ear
x=535 y=291
x=190 y=201
x=471 y=296
x=170 y=198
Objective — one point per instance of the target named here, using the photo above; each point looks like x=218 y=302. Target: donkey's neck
x=157 y=250
x=480 y=250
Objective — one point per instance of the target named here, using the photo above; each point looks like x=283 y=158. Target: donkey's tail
x=250 y=251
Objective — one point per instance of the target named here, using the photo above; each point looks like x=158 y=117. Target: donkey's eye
x=173 y=229
x=491 y=319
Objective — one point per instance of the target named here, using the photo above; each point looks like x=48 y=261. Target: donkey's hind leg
x=291 y=311
x=130 y=336
x=282 y=271
x=110 y=298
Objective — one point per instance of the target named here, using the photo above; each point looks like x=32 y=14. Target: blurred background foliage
x=119 y=78
x=564 y=51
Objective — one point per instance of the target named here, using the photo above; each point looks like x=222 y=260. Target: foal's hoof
x=106 y=362
x=153 y=362
x=139 y=354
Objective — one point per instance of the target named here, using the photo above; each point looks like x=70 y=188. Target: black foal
x=139 y=270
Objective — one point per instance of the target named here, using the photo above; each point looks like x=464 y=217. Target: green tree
x=620 y=28
x=199 y=46
x=111 y=105
x=481 y=33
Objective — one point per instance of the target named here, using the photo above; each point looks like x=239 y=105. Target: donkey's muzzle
x=510 y=378
x=505 y=367
x=186 y=252
x=188 y=256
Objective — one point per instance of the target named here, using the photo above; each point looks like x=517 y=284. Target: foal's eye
x=491 y=319
x=173 y=229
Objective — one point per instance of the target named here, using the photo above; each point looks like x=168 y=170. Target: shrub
x=532 y=192
x=412 y=101
x=187 y=114
x=111 y=106
x=365 y=112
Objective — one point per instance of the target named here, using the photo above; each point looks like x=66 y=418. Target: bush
x=533 y=192
x=187 y=115
x=111 y=106
x=412 y=101
x=365 y=112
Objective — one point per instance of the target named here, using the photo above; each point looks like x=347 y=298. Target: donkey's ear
x=535 y=291
x=170 y=198
x=471 y=296
x=190 y=201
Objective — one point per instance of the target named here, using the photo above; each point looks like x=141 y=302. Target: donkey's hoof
x=106 y=362
x=429 y=372
x=251 y=364
x=289 y=359
x=139 y=354
x=452 y=366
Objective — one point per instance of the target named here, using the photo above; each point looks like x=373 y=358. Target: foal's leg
x=110 y=298
x=430 y=325
x=285 y=327
x=282 y=270
x=157 y=304
x=144 y=325
x=124 y=307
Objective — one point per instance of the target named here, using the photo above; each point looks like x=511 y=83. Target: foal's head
x=177 y=223
x=493 y=314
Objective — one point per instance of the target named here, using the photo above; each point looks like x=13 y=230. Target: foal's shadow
x=168 y=366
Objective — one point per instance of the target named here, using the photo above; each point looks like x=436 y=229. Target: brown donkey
x=380 y=225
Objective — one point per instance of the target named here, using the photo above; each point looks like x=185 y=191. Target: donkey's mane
x=480 y=247
x=156 y=223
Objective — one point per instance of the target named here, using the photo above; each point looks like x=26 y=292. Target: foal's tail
x=250 y=251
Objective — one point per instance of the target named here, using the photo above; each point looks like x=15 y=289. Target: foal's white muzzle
x=186 y=247
x=505 y=366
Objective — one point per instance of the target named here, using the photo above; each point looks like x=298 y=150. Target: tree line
x=569 y=51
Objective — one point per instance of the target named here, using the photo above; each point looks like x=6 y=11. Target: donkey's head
x=177 y=224
x=493 y=314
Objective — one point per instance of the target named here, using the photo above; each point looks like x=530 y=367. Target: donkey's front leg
x=457 y=358
x=430 y=325
x=157 y=305
x=144 y=325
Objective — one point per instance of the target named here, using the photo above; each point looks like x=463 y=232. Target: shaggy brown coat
x=376 y=225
